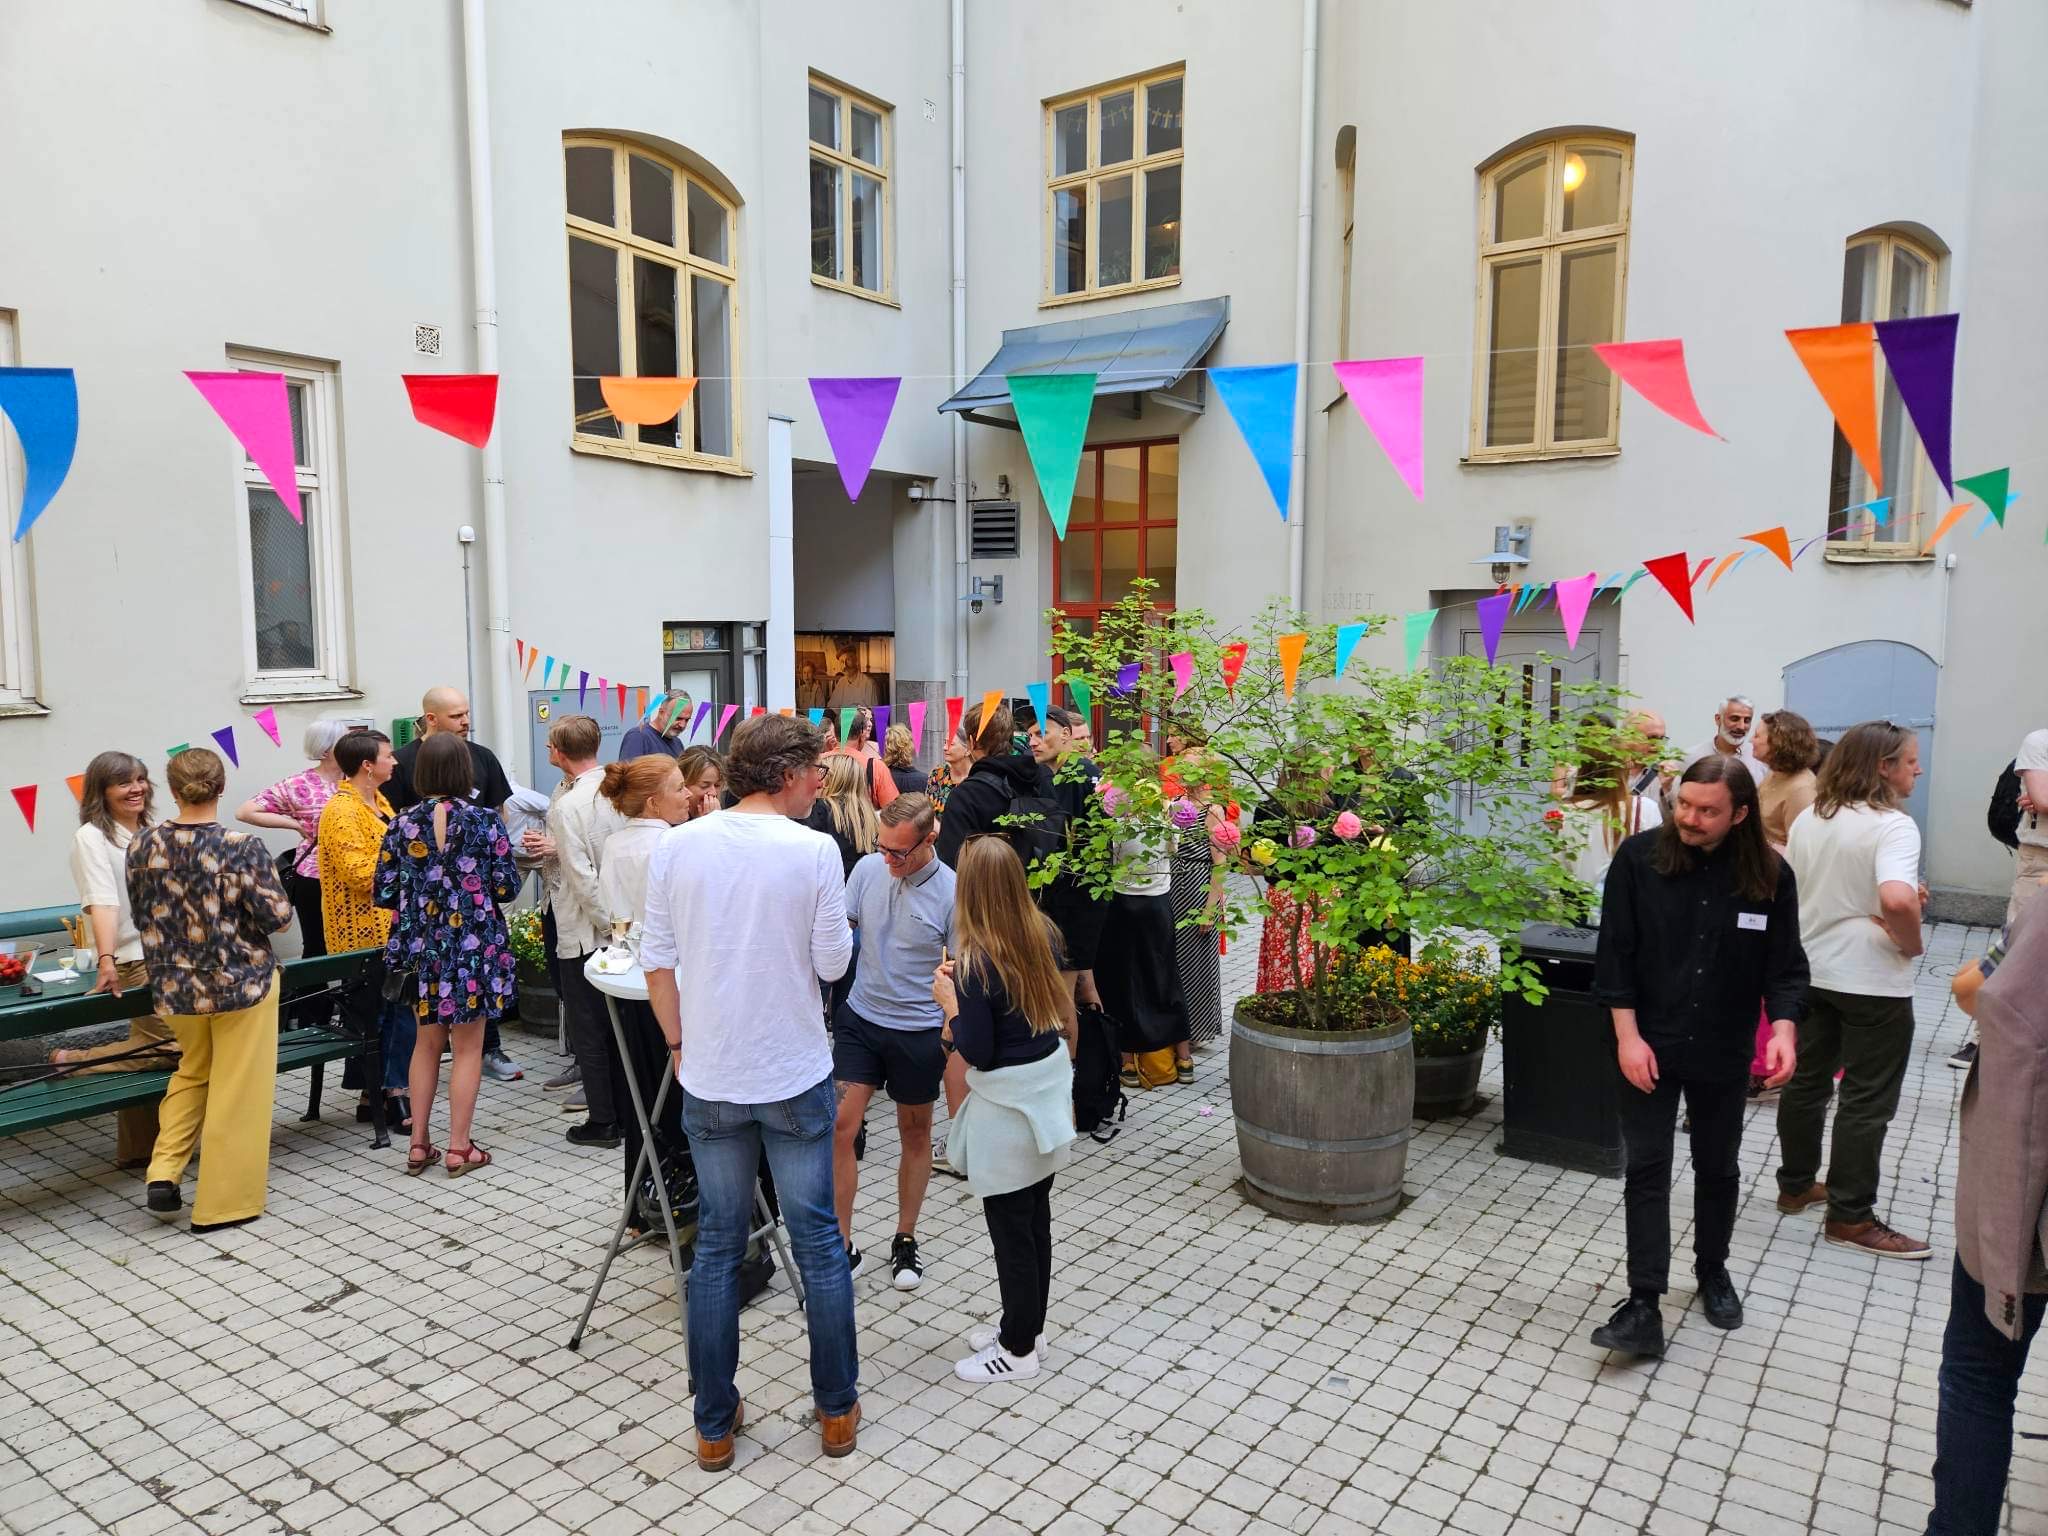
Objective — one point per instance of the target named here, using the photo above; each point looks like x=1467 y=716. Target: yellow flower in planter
x=1264 y=853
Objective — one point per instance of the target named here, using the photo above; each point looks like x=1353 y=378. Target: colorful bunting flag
x=1949 y=519
x=42 y=403
x=846 y=713
x=1348 y=636
x=1183 y=664
x=758 y=709
x=1776 y=542
x=1387 y=394
x=225 y=737
x=696 y=720
x=1290 y=648
x=1126 y=680
x=1573 y=598
x=531 y=657
x=1233 y=662
x=520 y=651
x=881 y=713
x=266 y=721
x=1084 y=696
x=1674 y=576
x=816 y=715
x=640 y=698
x=855 y=413
x=645 y=402
x=1921 y=353
x=917 y=708
x=1993 y=488
x=547 y=673
x=1493 y=615
x=1841 y=361
x=991 y=701
x=622 y=696
x=183 y=746
x=603 y=688
x=1262 y=400
x=461 y=404
x=1414 y=631
x=255 y=407
x=1052 y=413
x=25 y=798
x=1728 y=563
x=76 y=784
x=582 y=683
x=1656 y=371
x=724 y=719
x=955 y=707
x=1040 y=695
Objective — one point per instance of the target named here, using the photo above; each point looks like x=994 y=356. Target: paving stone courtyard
x=382 y=1353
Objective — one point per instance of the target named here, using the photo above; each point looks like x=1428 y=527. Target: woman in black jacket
x=998 y=775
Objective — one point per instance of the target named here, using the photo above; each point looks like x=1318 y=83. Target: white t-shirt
x=1839 y=863
x=749 y=911
x=2033 y=754
x=99 y=869
x=1143 y=868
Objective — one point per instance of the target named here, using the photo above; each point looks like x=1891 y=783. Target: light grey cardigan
x=1016 y=1127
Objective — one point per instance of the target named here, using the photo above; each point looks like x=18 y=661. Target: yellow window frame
x=1093 y=174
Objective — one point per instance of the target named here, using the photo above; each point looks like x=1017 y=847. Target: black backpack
x=1098 y=1095
x=1036 y=826
x=2004 y=816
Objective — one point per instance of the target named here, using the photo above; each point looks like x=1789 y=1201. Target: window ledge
x=1121 y=289
x=854 y=291
x=1539 y=456
x=297 y=690
x=309 y=23
x=22 y=709
x=602 y=448
x=1870 y=557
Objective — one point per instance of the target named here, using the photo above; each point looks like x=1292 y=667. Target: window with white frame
x=291 y=568
x=850 y=154
x=1885 y=276
x=653 y=293
x=17 y=600
x=1553 y=274
x=1113 y=187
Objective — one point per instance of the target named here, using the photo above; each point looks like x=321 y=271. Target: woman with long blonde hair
x=1007 y=1011
x=846 y=808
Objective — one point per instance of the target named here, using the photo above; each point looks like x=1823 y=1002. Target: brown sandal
x=466 y=1160
x=422 y=1156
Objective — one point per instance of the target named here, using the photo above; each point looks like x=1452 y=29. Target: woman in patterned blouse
x=206 y=901
x=444 y=868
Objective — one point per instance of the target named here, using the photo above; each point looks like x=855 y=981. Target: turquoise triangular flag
x=1052 y=413
x=817 y=716
x=1415 y=630
x=1880 y=510
x=1040 y=695
x=1262 y=401
x=1348 y=636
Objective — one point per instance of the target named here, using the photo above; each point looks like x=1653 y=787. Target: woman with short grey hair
x=294 y=805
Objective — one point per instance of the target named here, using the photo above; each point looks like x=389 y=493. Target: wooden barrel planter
x=1322 y=1116
x=539 y=1004
x=1447 y=1085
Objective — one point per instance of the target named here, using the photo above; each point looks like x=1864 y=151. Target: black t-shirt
x=492 y=789
x=989 y=1032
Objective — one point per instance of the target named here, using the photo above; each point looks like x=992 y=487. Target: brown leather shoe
x=839 y=1430
x=716 y=1455
x=1876 y=1239
x=1792 y=1205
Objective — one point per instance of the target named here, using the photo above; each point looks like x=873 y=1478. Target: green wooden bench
x=310 y=1034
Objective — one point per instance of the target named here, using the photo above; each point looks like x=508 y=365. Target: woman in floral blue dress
x=445 y=867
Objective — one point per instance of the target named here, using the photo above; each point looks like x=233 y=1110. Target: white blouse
x=622 y=868
x=99 y=869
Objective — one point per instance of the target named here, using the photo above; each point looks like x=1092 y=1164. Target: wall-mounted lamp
x=1510 y=552
x=985 y=589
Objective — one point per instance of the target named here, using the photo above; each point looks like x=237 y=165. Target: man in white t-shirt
x=1856 y=856
x=746 y=912
x=1731 y=738
x=2032 y=762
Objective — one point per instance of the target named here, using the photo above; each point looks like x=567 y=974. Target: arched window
x=1553 y=270
x=653 y=292
x=1886 y=275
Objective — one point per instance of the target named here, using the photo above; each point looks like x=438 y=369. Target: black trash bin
x=1560 y=1079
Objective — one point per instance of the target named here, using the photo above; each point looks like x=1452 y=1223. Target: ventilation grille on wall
x=426 y=340
x=995 y=530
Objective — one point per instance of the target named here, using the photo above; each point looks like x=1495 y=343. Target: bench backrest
x=34 y=922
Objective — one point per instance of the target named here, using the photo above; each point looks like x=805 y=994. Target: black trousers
x=1648 y=1123
x=648 y=1064
x=305 y=895
x=1020 y=1231
x=590 y=1040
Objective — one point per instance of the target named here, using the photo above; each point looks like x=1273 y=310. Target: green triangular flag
x=1416 y=630
x=183 y=746
x=1989 y=488
x=1052 y=413
x=1083 y=695
x=845 y=721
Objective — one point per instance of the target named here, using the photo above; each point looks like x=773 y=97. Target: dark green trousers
x=1868 y=1039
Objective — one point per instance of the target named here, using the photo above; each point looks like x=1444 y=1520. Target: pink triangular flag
x=724 y=719
x=856 y=414
x=917 y=709
x=1493 y=617
x=225 y=736
x=1387 y=393
x=1183 y=664
x=25 y=797
x=266 y=719
x=1573 y=598
x=257 y=410
x=1656 y=371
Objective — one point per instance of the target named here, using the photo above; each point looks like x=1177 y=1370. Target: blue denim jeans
x=1980 y=1379
x=726 y=1143
x=399 y=1026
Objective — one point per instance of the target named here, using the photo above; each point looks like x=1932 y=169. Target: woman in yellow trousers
x=206 y=901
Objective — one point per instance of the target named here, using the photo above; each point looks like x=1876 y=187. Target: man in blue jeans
x=2000 y=1287
x=749 y=907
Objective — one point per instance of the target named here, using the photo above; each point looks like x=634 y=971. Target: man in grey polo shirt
x=886 y=1033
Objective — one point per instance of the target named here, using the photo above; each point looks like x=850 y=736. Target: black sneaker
x=1637 y=1328
x=1965 y=1056
x=164 y=1202
x=1719 y=1301
x=856 y=1261
x=592 y=1133
x=904 y=1263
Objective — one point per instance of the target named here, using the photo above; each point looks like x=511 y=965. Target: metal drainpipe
x=500 y=722
x=961 y=547
x=1304 y=250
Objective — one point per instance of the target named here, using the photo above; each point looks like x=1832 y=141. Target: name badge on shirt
x=1755 y=921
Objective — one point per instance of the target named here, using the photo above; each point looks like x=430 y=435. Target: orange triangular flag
x=786 y=713
x=640 y=698
x=532 y=656
x=1290 y=648
x=989 y=703
x=1722 y=569
x=1673 y=574
x=1775 y=541
x=77 y=783
x=1949 y=519
x=1841 y=360
x=645 y=402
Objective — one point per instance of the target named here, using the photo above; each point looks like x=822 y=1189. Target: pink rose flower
x=1304 y=836
x=1347 y=825
x=1225 y=836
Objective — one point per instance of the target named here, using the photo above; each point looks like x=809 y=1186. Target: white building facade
x=754 y=195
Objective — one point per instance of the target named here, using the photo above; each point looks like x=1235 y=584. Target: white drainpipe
x=1304 y=250
x=961 y=545
x=500 y=722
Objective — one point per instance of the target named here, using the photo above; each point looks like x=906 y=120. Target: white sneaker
x=996 y=1364
x=988 y=1333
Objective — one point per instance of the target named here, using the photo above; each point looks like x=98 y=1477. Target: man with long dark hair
x=1698 y=926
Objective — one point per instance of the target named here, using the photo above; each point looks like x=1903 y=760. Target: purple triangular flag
x=881 y=731
x=582 y=687
x=1493 y=615
x=1921 y=354
x=1126 y=679
x=698 y=718
x=226 y=737
x=856 y=414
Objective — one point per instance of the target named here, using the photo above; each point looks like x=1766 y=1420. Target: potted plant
x=1453 y=1006
x=538 y=1003
x=1396 y=808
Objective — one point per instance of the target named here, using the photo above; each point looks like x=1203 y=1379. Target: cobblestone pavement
x=386 y=1353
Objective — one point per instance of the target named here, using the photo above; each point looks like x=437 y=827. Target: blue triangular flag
x=817 y=716
x=43 y=405
x=1040 y=695
x=1261 y=400
x=1348 y=636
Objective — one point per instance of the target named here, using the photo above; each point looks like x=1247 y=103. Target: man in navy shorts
x=886 y=1033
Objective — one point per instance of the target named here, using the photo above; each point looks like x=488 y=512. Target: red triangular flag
x=1656 y=371
x=461 y=404
x=1775 y=541
x=622 y=696
x=522 y=651
x=77 y=783
x=25 y=797
x=758 y=709
x=1674 y=575
x=1233 y=662
x=953 y=711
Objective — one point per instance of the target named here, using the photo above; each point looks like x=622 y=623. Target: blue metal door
x=1869 y=680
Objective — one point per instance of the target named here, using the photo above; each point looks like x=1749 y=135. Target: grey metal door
x=1542 y=671
x=1869 y=680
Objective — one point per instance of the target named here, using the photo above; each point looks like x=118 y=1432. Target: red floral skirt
x=1276 y=942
